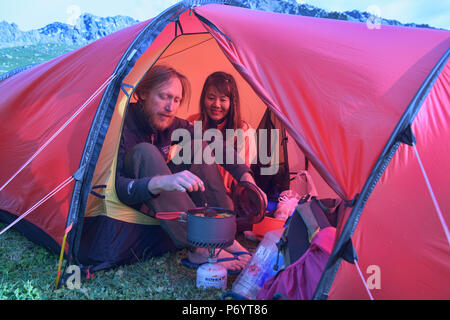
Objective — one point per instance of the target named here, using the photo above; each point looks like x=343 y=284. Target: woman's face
x=217 y=104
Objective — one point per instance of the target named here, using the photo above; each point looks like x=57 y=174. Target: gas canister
x=212 y=275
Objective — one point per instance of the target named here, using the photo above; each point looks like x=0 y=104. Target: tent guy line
x=88 y=101
x=37 y=204
x=433 y=197
x=363 y=280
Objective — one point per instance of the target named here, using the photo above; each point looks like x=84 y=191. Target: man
x=147 y=181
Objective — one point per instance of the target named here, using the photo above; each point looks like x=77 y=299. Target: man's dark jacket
x=136 y=130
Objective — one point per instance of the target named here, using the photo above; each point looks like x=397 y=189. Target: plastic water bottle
x=212 y=275
x=262 y=266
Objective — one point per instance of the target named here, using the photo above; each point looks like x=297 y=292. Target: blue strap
x=125 y=85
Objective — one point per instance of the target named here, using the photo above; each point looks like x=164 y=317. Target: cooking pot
x=214 y=227
x=207 y=227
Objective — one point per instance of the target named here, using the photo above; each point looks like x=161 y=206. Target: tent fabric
x=339 y=88
x=32 y=232
x=399 y=231
x=346 y=86
x=108 y=242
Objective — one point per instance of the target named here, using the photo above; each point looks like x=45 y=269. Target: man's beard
x=159 y=123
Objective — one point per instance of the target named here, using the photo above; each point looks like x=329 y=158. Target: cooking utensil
x=207 y=227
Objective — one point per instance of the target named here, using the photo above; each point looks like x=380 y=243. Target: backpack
x=310 y=216
x=305 y=246
x=273 y=184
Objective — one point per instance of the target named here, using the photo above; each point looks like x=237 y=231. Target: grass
x=28 y=272
x=14 y=57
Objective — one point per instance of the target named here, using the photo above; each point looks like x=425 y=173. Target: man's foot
x=236 y=263
x=236 y=247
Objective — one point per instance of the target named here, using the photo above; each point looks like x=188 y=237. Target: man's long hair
x=158 y=75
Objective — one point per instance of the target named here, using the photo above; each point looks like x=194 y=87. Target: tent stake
x=61 y=255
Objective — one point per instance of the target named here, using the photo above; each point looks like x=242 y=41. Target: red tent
x=354 y=99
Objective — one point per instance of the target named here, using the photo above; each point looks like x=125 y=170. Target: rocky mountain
x=90 y=28
x=293 y=7
x=87 y=29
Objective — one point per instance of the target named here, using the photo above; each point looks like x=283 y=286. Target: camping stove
x=213 y=229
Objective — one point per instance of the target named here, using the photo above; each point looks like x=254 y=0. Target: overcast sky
x=33 y=14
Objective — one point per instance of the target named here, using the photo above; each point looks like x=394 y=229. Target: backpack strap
x=309 y=218
x=282 y=246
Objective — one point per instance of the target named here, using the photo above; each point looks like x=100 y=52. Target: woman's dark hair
x=160 y=74
x=226 y=85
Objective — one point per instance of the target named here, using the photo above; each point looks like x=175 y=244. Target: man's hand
x=181 y=181
x=249 y=178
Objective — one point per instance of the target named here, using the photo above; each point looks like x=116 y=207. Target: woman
x=220 y=109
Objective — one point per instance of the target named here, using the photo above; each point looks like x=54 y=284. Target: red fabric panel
x=34 y=105
x=340 y=87
x=399 y=230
